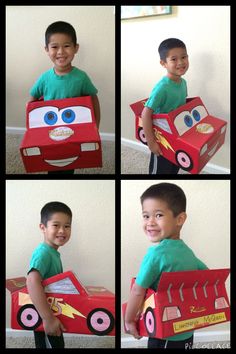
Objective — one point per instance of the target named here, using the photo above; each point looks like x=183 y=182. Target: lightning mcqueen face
x=84 y=310
x=61 y=134
x=188 y=136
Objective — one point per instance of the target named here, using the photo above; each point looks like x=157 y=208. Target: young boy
x=64 y=80
x=168 y=94
x=164 y=213
x=55 y=224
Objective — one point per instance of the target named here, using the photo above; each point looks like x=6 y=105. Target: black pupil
x=29 y=317
x=99 y=321
x=68 y=114
x=50 y=116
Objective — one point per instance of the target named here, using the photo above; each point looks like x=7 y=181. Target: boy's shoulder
x=78 y=72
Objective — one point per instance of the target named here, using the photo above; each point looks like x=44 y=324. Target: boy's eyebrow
x=156 y=210
x=55 y=43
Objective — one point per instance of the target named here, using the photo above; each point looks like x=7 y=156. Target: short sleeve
x=157 y=98
x=88 y=88
x=149 y=270
x=37 y=89
x=40 y=262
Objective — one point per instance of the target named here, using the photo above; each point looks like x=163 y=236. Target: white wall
x=206 y=230
x=206 y=32
x=90 y=253
x=26 y=59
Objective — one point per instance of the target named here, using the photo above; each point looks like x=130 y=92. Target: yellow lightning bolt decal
x=70 y=311
x=162 y=140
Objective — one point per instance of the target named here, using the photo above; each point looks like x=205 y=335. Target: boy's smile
x=61 y=51
x=176 y=63
x=57 y=231
x=159 y=222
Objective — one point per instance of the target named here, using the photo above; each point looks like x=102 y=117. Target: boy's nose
x=151 y=220
x=60 y=50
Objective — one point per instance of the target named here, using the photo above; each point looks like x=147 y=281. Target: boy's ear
x=46 y=49
x=181 y=218
x=42 y=227
x=77 y=48
x=163 y=63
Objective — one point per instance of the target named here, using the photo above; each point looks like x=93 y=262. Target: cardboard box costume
x=81 y=309
x=188 y=136
x=60 y=135
x=184 y=301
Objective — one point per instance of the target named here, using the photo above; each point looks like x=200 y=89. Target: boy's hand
x=53 y=326
x=155 y=148
x=132 y=329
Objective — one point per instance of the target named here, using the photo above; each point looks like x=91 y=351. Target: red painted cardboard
x=184 y=301
x=188 y=136
x=61 y=135
x=81 y=309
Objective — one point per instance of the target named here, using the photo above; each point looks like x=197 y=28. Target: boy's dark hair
x=170 y=193
x=60 y=27
x=54 y=207
x=169 y=44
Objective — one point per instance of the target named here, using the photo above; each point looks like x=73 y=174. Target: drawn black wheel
x=184 y=160
x=142 y=136
x=150 y=322
x=100 y=321
x=28 y=317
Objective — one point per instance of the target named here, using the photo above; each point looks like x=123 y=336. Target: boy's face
x=159 y=222
x=61 y=51
x=176 y=63
x=57 y=231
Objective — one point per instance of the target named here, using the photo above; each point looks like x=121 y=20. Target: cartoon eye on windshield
x=43 y=116
x=199 y=112
x=50 y=118
x=68 y=116
x=75 y=115
x=186 y=120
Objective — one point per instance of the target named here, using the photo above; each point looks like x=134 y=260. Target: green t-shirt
x=167 y=95
x=46 y=260
x=52 y=86
x=169 y=256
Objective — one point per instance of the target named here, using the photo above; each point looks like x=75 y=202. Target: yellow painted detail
x=150 y=302
x=70 y=311
x=197 y=322
x=162 y=140
x=24 y=299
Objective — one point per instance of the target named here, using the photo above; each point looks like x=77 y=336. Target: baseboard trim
x=209 y=168
x=199 y=337
x=21 y=131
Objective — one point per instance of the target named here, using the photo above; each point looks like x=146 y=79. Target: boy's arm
x=149 y=134
x=51 y=324
x=96 y=107
x=134 y=304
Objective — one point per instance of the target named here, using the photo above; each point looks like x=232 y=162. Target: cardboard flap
x=189 y=279
x=15 y=284
x=137 y=107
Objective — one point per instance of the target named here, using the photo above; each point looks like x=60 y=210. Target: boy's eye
x=145 y=216
x=159 y=215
